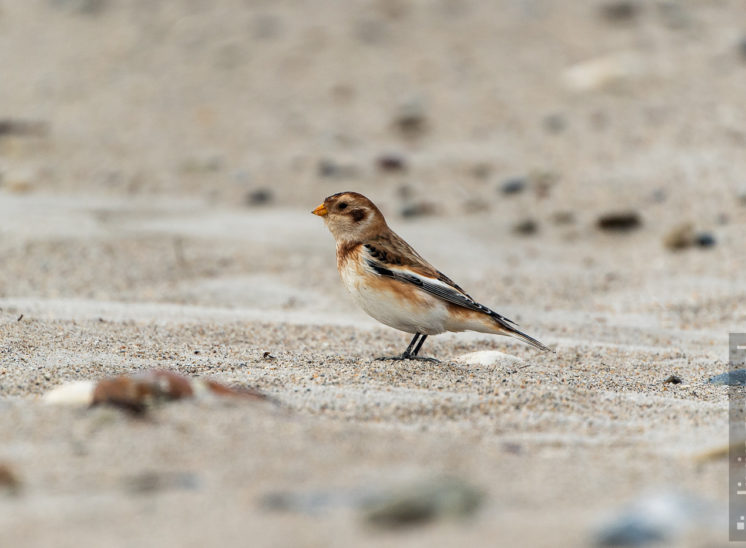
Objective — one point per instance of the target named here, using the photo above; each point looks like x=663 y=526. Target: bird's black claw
x=405 y=357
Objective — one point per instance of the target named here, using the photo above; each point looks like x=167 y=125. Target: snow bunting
x=395 y=285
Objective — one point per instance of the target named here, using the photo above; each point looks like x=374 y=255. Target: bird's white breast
x=396 y=304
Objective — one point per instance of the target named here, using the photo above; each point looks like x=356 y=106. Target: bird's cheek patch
x=357 y=215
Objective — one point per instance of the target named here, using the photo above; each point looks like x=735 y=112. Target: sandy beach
x=158 y=165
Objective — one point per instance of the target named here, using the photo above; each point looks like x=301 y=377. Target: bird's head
x=350 y=216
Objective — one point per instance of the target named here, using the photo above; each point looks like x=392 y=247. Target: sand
x=129 y=241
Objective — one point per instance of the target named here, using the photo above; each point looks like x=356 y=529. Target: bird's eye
x=342 y=205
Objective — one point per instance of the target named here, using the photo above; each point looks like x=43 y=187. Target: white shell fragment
x=72 y=393
x=602 y=72
x=488 y=357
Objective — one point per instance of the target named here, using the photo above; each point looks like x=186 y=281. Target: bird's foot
x=406 y=356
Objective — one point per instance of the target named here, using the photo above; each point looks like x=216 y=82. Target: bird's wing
x=391 y=257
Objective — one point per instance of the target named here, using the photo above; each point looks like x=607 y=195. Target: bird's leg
x=408 y=352
x=414 y=355
x=411 y=352
x=419 y=345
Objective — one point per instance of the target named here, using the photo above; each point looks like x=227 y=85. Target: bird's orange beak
x=320 y=211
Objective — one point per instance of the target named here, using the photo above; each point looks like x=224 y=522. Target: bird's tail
x=521 y=336
x=507 y=327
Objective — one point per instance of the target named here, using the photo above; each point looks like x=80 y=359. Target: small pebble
x=620 y=11
x=9 y=482
x=405 y=192
x=151 y=482
x=85 y=7
x=424 y=502
x=673 y=14
x=526 y=227
x=18 y=182
x=411 y=120
x=659 y=196
x=513 y=186
x=23 y=128
x=333 y=170
x=684 y=236
x=705 y=239
x=737 y=377
x=265 y=27
x=672 y=379
x=554 y=123
x=621 y=221
x=418 y=209
x=204 y=162
x=656 y=519
x=391 y=162
x=260 y=196
x=680 y=237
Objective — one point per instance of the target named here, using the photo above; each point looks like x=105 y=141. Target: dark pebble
x=24 y=128
x=655 y=519
x=672 y=379
x=512 y=448
x=526 y=227
x=705 y=239
x=684 y=236
x=680 y=237
x=149 y=482
x=620 y=11
x=391 y=163
x=265 y=27
x=419 y=209
x=632 y=533
x=411 y=121
x=737 y=377
x=332 y=170
x=659 y=196
x=622 y=221
x=554 y=123
x=405 y=192
x=371 y=31
x=9 y=481
x=513 y=186
x=421 y=503
x=261 y=196
x=673 y=14
x=87 y=7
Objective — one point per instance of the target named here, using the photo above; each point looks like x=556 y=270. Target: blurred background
x=167 y=141
x=578 y=166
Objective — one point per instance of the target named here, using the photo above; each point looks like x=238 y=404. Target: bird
x=393 y=284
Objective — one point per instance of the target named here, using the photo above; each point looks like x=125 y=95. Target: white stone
x=602 y=72
x=488 y=357
x=72 y=393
